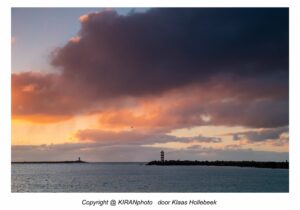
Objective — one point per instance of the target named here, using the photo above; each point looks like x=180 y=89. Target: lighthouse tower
x=162 y=156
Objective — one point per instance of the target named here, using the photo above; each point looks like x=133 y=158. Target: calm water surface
x=136 y=177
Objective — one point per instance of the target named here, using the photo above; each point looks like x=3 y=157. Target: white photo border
x=230 y=201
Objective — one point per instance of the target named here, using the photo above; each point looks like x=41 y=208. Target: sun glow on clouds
x=39 y=118
x=28 y=133
x=29 y=88
x=84 y=18
x=75 y=39
x=206 y=118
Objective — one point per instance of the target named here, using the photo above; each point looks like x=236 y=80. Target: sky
x=122 y=84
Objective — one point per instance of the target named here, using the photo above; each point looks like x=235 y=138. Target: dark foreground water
x=136 y=177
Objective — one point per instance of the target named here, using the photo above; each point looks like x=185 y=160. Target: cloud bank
x=148 y=54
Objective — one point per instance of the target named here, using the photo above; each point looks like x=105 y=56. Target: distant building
x=78 y=159
x=162 y=156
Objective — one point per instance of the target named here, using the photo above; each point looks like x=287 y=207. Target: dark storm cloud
x=166 y=48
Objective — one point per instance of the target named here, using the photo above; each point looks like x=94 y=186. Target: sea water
x=137 y=177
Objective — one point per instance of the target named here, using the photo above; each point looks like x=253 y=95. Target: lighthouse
x=162 y=156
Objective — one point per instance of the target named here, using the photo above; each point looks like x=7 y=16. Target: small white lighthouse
x=162 y=156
